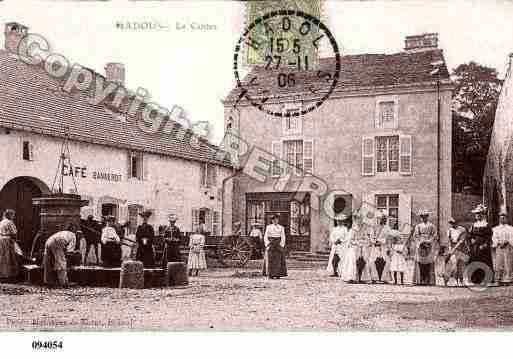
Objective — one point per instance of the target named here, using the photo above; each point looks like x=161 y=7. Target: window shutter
x=208 y=222
x=31 y=152
x=367 y=156
x=129 y=165
x=276 y=150
x=215 y=223
x=405 y=213
x=203 y=175
x=405 y=155
x=143 y=163
x=195 y=219
x=308 y=156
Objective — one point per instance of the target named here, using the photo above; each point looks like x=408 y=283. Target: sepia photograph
x=256 y=166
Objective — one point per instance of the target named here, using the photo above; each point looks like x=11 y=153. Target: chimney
x=14 y=32
x=115 y=72
x=424 y=42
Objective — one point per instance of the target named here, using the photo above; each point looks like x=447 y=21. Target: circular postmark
x=289 y=57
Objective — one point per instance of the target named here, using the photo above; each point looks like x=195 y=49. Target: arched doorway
x=17 y=194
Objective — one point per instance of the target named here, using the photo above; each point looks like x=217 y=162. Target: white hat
x=173 y=217
x=479 y=209
x=424 y=212
x=503 y=213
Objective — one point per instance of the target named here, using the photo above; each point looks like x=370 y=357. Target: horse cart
x=229 y=251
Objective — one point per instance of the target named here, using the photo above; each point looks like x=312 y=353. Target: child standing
x=196 y=252
x=398 y=261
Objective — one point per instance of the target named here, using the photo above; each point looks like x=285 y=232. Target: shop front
x=293 y=210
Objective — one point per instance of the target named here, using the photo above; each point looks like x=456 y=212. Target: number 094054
x=48 y=345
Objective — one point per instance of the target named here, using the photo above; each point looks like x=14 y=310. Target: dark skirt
x=274 y=260
x=111 y=254
x=146 y=255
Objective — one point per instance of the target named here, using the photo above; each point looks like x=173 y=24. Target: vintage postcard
x=298 y=165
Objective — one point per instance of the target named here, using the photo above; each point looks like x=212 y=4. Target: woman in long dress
x=9 y=266
x=337 y=239
x=480 y=234
x=355 y=266
x=426 y=249
x=274 y=258
x=144 y=236
x=197 y=259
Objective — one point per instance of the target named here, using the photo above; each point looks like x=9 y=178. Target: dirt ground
x=221 y=299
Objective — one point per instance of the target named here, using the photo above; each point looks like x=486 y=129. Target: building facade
x=381 y=141
x=121 y=169
x=498 y=174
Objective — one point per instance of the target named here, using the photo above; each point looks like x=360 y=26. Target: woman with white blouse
x=274 y=258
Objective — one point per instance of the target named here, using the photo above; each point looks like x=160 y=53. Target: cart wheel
x=234 y=251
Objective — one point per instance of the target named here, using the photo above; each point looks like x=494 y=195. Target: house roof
x=32 y=100
x=356 y=71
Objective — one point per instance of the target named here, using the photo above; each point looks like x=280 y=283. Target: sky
x=192 y=67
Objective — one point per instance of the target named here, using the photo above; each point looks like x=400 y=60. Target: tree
x=475 y=101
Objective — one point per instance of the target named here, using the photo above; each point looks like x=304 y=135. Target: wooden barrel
x=176 y=274
x=131 y=275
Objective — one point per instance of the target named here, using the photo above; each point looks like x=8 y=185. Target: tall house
x=382 y=141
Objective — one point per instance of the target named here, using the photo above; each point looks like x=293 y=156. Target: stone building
x=381 y=141
x=498 y=173
x=118 y=167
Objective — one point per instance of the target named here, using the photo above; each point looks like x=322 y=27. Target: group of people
x=61 y=248
x=377 y=253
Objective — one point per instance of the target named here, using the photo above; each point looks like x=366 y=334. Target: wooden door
x=17 y=194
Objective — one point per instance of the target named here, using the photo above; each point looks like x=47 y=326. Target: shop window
x=109 y=209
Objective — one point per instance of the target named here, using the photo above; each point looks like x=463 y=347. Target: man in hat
x=502 y=241
x=111 y=244
x=145 y=236
x=172 y=239
x=425 y=250
x=337 y=239
x=480 y=234
x=456 y=238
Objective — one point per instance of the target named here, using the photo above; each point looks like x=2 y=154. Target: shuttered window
x=292 y=122
x=405 y=155
x=308 y=156
x=136 y=165
x=208 y=175
x=367 y=156
x=387 y=154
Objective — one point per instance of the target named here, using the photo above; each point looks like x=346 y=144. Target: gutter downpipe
x=438 y=157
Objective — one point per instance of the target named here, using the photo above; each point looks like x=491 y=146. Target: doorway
x=17 y=194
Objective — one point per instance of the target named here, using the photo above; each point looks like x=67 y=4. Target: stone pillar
x=56 y=210
x=176 y=274
x=131 y=275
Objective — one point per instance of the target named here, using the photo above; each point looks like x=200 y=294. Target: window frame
x=387 y=152
x=387 y=197
x=377 y=117
x=292 y=107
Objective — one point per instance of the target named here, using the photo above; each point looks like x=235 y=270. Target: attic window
x=27 y=151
